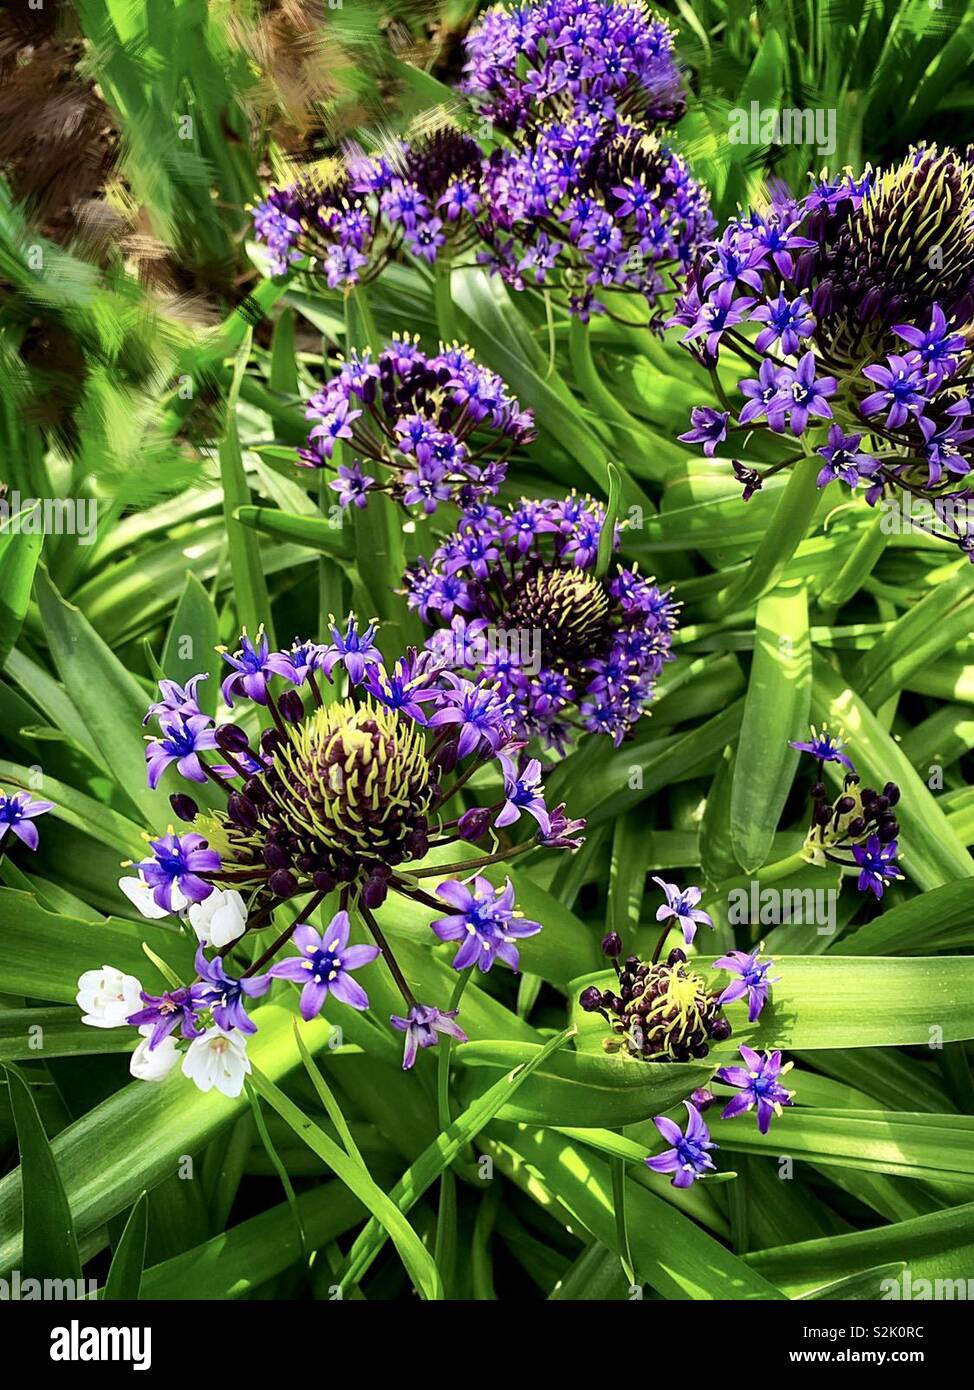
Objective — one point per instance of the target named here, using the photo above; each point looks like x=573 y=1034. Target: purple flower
x=480 y=711
x=523 y=793
x=484 y=922
x=421 y=1027
x=323 y=964
x=788 y=320
x=877 y=865
x=352 y=485
x=826 y=747
x=224 y=995
x=334 y=427
x=681 y=904
x=165 y=1012
x=901 y=389
x=18 y=812
x=181 y=742
x=938 y=348
x=753 y=980
x=844 y=460
x=709 y=428
x=177 y=699
x=174 y=872
x=758 y=1085
x=563 y=833
x=253 y=667
x=689 y=1157
x=804 y=394
x=764 y=397
x=354 y=650
x=409 y=686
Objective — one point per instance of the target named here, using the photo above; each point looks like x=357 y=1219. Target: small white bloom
x=156 y=1063
x=218 y=1059
x=140 y=896
x=220 y=918
x=106 y=997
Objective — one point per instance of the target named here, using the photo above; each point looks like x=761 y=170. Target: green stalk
x=444 y=1250
x=446 y=318
x=634 y=446
x=785 y=533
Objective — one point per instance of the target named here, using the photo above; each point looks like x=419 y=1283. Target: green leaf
x=315 y=532
x=50 y=1249
x=776 y=710
x=414 y=1256
x=19 y=553
x=124 y=1279
x=194 y=630
x=109 y=700
x=249 y=584
x=586 y=1089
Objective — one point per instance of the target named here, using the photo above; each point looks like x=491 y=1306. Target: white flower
x=156 y=1063
x=140 y=896
x=220 y=918
x=106 y=997
x=218 y=1059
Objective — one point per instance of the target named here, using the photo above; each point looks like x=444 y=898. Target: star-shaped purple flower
x=18 y=812
x=877 y=865
x=758 y=1085
x=323 y=965
x=182 y=741
x=224 y=995
x=826 y=747
x=681 y=905
x=421 y=1027
x=177 y=865
x=689 y=1157
x=354 y=650
x=253 y=665
x=753 y=980
x=484 y=922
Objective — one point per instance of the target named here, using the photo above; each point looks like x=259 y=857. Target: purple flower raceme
x=858 y=302
x=344 y=223
x=437 y=428
x=688 y=1158
x=345 y=795
x=525 y=612
x=533 y=63
x=758 y=1084
x=18 y=811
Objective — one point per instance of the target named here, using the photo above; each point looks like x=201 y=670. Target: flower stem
x=284 y=937
x=858 y=566
x=387 y=956
x=785 y=532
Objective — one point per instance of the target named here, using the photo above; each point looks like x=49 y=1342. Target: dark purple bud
x=818 y=792
x=676 y=956
x=271 y=740
x=856 y=827
x=416 y=844
x=892 y=793
x=184 y=807
x=880 y=805
x=254 y=788
x=374 y=892
x=474 y=824
x=612 y=945
x=283 y=884
x=702 y=1098
x=291 y=707
x=591 y=1000
x=276 y=857
x=844 y=805
x=324 y=882
x=445 y=758
x=887 y=831
x=242 y=810
x=720 y=1029
x=231 y=738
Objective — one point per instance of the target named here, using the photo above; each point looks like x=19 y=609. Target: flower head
x=174 y=872
x=877 y=865
x=107 y=997
x=176 y=1008
x=217 y=1060
x=223 y=995
x=658 y=1011
x=826 y=747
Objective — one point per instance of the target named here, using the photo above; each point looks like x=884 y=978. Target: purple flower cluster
x=435 y=428
x=320 y=797
x=586 y=207
x=521 y=606
x=843 y=337
x=421 y=197
x=572 y=58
